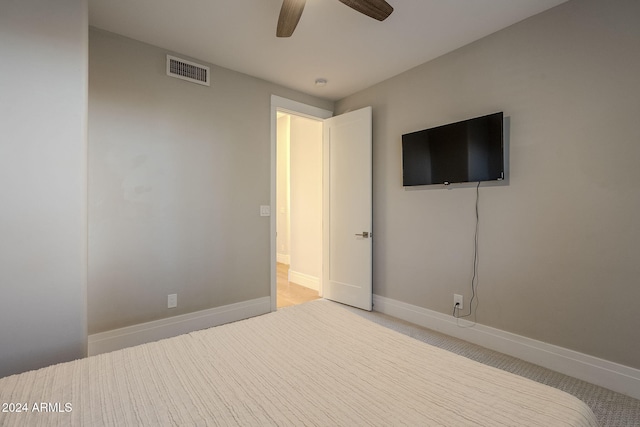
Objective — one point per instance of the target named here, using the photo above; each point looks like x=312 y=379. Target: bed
x=316 y=364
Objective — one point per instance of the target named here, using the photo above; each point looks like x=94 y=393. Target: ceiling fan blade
x=289 y=16
x=376 y=9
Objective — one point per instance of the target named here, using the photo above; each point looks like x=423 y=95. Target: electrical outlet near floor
x=172 y=301
x=458 y=299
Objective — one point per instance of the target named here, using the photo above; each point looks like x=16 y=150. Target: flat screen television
x=467 y=151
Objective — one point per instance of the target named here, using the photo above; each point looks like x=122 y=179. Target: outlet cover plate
x=172 y=301
x=457 y=298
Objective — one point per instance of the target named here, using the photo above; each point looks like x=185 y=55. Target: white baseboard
x=306 y=280
x=116 y=339
x=616 y=377
x=283 y=258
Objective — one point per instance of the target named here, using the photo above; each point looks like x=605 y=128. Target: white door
x=347 y=217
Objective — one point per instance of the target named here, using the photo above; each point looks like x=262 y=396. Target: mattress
x=316 y=364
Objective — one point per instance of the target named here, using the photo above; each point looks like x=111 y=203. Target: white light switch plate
x=265 y=210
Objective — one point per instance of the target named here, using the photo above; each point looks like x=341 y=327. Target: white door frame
x=299 y=109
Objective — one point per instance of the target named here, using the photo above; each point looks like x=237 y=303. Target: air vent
x=187 y=70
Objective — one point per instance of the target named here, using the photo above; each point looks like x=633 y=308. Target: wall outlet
x=172 y=301
x=458 y=299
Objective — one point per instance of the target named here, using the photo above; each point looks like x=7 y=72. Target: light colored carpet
x=315 y=364
x=611 y=408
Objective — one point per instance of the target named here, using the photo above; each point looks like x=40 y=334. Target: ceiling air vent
x=187 y=70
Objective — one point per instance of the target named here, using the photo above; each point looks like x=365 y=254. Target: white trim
x=299 y=109
x=284 y=258
x=616 y=377
x=116 y=339
x=306 y=280
x=283 y=104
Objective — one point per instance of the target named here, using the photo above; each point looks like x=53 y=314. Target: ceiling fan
x=292 y=10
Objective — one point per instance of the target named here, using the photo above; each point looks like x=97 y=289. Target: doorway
x=346 y=259
x=298 y=208
x=296 y=226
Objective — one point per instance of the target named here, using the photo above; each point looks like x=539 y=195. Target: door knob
x=364 y=234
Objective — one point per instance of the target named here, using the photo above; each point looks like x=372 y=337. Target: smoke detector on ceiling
x=187 y=70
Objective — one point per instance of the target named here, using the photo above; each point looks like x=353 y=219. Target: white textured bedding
x=314 y=365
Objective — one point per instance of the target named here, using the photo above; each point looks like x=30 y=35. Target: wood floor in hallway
x=291 y=293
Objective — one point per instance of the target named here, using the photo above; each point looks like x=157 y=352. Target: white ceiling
x=332 y=41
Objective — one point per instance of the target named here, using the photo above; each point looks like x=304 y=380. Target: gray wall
x=43 y=111
x=177 y=172
x=559 y=245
